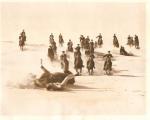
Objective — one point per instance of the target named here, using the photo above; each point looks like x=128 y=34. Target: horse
x=22 y=42
x=54 y=47
x=51 y=54
x=115 y=43
x=70 y=48
x=107 y=66
x=61 y=41
x=90 y=66
x=48 y=77
x=100 y=42
x=78 y=64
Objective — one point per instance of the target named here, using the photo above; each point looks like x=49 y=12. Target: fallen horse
x=54 y=81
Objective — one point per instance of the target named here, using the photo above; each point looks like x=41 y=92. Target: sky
x=72 y=19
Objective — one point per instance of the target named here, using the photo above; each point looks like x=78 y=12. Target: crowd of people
x=87 y=45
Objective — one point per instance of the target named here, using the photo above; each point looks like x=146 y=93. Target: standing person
x=62 y=59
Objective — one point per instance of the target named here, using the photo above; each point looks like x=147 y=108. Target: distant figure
x=54 y=81
x=51 y=53
x=62 y=56
x=87 y=42
x=100 y=41
x=61 y=41
x=107 y=65
x=124 y=52
x=90 y=65
x=77 y=52
x=65 y=65
x=22 y=40
x=51 y=38
x=70 y=46
x=95 y=44
x=54 y=46
x=130 y=41
x=136 y=39
x=78 y=64
x=78 y=47
x=91 y=47
x=82 y=41
x=115 y=41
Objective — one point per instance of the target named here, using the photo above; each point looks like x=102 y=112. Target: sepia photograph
x=73 y=58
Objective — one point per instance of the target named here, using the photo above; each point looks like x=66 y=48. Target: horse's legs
x=80 y=70
x=89 y=71
x=92 y=71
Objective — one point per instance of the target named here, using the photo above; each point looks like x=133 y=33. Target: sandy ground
x=122 y=93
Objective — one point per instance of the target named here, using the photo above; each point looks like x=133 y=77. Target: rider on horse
x=51 y=53
x=115 y=41
x=62 y=56
x=61 y=41
x=90 y=65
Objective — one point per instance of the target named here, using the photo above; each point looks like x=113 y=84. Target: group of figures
x=58 y=80
x=85 y=44
x=134 y=42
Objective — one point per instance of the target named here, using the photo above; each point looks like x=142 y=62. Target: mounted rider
x=115 y=41
x=90 y=65
x=61 y=41
x=100 y=41
x=51 y=53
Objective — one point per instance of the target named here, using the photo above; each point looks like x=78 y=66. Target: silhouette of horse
x=100 y=42
x=90 y=65
x=108 y=66
x=22 y=42
x=61 y=41
x=78 y=64
x=51 y=54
